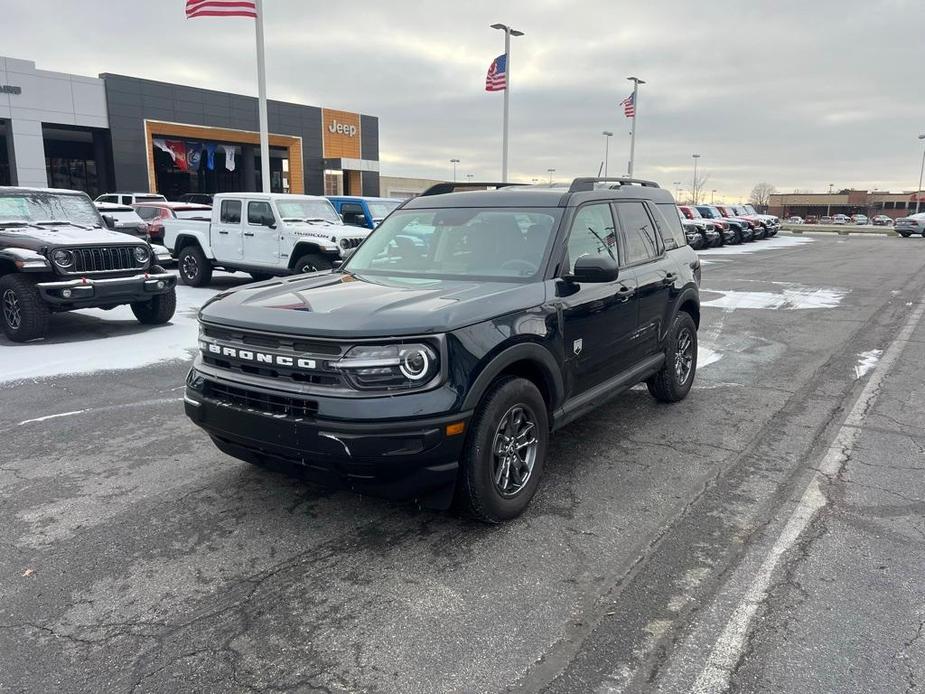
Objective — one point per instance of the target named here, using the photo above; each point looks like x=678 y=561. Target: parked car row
x=708 y=226
x=913 y=224
x=842 y=219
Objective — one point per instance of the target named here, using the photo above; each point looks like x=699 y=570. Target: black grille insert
x=104 y=259
x=262 y=402
x=294 y=344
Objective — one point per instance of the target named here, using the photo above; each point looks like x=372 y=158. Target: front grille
x=350 y=243
x=104 y=259
x=261 y=402
x=270 y=341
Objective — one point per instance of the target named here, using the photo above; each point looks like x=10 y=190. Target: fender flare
x=301 y=247
x=688 y=295
x=525 y=351
x=182 y=240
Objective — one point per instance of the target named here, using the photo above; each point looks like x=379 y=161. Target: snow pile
x=775 y=243
x=792 y=298
x=866 y=362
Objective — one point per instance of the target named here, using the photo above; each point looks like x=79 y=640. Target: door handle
x=669 y=278
x=223 y=233
x=248 y=233
x=625 y=293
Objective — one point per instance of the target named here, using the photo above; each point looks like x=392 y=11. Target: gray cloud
x=798 y=93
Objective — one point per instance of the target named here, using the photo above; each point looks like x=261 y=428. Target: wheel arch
x=185 y=240
x=526 y=360
x=303 y=248
x=689 y=302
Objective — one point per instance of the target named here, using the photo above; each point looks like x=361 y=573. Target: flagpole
x=508 y=33
x=262 y=103
x=636 y=82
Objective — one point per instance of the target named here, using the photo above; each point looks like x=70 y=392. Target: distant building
x=401 y=187
x=870 y=203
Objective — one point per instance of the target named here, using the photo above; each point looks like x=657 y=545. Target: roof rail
x=587 y=183
x=452 y=187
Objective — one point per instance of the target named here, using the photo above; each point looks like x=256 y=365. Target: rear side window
x=231 y=212
x=638 y=232
x=669 y=226
x=147 y=213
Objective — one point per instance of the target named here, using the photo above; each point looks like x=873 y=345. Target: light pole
x=831 y=185
x=454 y=162
x=469 y=177
x=694 y=187
x=550 y=172
x=712 y=194
x=534 y=180
x=677 y=190
x=918 y=193
x=607 y=135
x=636 y=82
x=508 y=33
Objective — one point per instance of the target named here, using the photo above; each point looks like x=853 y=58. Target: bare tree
x=761 y=195
x=697 y=191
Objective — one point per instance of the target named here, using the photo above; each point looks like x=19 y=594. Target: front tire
x=22 y=312
x=313 y=262
x=505 y=451
x=676 y=377
x=159 y=309
x=195 y=268
x=905 y=235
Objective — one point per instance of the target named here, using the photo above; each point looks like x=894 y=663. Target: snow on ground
x=707 y=356
x=90 y=340
x=775 y=243
x=791 y=298
x=866 y=362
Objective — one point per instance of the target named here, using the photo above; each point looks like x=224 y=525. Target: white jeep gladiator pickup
x=260 y=233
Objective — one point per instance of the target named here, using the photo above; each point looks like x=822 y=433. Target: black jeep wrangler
x=463 y=331
x=56 y=255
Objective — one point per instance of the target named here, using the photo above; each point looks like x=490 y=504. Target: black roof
x=472 y=194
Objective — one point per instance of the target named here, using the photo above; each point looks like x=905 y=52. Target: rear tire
x=23 y=313
x=676 y=377
x=195 y=268
x=313 y=262
x=505 y=451
x=905 y=235
x=159 y=309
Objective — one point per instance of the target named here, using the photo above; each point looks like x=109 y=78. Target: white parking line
x=121 y=406
x=714 y=678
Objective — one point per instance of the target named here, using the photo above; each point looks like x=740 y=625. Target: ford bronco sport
x=436 y=361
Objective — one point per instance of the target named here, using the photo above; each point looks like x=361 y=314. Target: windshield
x=307 y=208
x=749 y=209
x=709 y=212
x=381 y=209
x=491 y=244
x=41 y=206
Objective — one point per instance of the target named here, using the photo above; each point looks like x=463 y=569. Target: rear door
x=599 y=319
x=261 y=238
x=227 y=232
x=644 y=255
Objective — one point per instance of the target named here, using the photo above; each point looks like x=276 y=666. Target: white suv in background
x=130 y=198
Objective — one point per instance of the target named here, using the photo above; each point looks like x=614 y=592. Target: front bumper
x=87 y=293
x=411 y=458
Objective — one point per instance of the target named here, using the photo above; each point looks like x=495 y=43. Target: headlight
x=345 y=244
x=62 y=258
x=389 y=367
x=141 y=254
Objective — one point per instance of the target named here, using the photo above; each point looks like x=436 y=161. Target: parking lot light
x=694 y=187
x=607 y=135
x=918 y=193
x=454 y=162
x=550 y=172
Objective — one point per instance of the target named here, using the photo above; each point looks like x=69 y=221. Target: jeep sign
x=10 y=89
x=342 y=129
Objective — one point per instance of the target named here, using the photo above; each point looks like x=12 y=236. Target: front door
x=644 y=255
x=227 y=232
x=599 y=319
x=261 y=235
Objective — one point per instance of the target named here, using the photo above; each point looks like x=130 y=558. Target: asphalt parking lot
x=766 y=534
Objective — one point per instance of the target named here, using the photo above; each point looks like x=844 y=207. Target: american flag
x=496 y=80
x=221 y=8
x=629 y=105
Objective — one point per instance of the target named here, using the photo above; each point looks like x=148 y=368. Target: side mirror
x=594 y=269
x=109 y=221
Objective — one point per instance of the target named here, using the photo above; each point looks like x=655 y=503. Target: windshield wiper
x=317 y=219
x=16 y=223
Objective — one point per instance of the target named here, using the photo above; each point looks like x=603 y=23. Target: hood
x=34 y=238
x=322 y=229
x=334 y=304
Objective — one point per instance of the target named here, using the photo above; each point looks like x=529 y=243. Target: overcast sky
x=800 y=93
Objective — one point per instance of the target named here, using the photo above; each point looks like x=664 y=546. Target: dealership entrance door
x=77 y=158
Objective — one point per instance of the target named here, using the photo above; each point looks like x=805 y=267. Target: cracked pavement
x=138 y=558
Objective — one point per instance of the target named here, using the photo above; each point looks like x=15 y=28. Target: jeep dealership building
x=113 y=132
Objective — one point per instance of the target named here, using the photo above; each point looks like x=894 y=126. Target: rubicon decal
x=257 y=357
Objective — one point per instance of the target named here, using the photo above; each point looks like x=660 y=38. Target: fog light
x=66 y=293
x=160 y=284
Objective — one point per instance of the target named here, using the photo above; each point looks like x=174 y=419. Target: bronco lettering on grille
x=257 y=357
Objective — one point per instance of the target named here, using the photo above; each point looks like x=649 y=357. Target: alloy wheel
x=12 y=312
x=514 y=450
x=190 y=266
x=684 y=356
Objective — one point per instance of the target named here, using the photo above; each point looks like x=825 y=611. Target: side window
x=127 y=200
x=231 y=212
x=353 y=214
x=592 y=234
x=108 y=198
x=638 y=234
x=259 y=213
x=669 y=225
